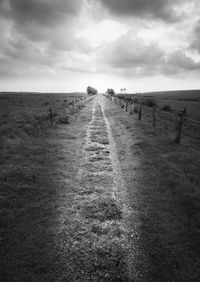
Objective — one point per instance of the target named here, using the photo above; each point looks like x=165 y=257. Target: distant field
x=27 y=113
x=177 y=100
x=169 y=105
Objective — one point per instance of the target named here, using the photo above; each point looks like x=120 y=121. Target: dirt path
x=105 y=247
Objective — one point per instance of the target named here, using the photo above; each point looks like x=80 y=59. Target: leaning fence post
x=154 y=116
x=179 y=127
x=51 y=116
x=140 y=112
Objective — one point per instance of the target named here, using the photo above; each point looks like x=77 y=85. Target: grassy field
x=57 y=226
x=177 y=100
x=163 y=183
x=168 y=106
x=54 y=225
x=37 y=170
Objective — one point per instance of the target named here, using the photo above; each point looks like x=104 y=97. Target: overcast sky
x=66 y=45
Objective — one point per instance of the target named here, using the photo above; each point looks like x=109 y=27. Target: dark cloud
x=131 y=55
x=19 y=55
x=46 y=12
x=130 y=52
x=41 y=20
x=160 y=9
x=196 y=38
x=178 y=62
x=38 y=34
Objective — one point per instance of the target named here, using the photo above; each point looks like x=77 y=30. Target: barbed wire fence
x=63 y=114
x=177 y=124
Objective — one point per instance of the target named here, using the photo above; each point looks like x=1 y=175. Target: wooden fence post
x=126 y=103
x=132 y=108
x=140 y=112
x=179 y=127
x=154 y=116
x=51 y=116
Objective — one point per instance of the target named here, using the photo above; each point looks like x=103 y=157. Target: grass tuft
x=103 y=208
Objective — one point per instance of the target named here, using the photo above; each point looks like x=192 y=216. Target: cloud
x=40 y=19
x=44 y=37
x=195 y=44
x=165 y=9
x=179 y=63
x=21 y=56
x=130 y=55
x=45 y=12
x=39 y=36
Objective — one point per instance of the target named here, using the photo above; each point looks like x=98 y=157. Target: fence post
x=140 y=112
x=132 y=108
x=179 y=127
x=126 y=106
x=154 y=116
x=51 y=116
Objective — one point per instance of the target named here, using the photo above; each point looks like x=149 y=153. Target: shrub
x=150 y=103
x=91 y=90
x=166 y=108
x=110 y=92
